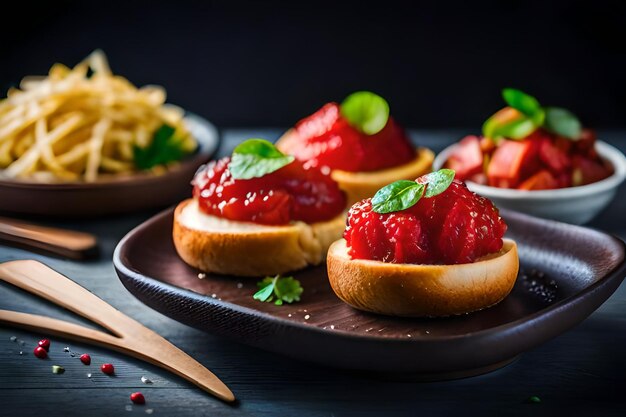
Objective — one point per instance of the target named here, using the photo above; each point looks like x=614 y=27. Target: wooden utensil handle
x=43 y=281
x=55 y=327
x=145 y=345
x=68 y=243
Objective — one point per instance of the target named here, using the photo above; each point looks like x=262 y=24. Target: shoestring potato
x=85 y=123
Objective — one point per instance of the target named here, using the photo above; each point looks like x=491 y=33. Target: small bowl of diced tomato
x=538 y=160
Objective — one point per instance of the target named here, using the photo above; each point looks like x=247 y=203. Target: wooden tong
x=129 y=336
x=68 y=243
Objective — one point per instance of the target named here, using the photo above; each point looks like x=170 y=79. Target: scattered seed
x=40 y=352
x=427 y=331
x=137 y=398
x=289 y=315
x=107 y=368
x=146 y=380
x=213 y=295
x=13 y=339
x=369 y=330
x=149 y=411
x=202 y=275
x=129 y=407
x=89 y=375
x=85 y=358
x=239 y=285
x=66 y=349
x=408 y=335
x=332 y=327
x=21 y=353
x=307 y=317
x=56 y=369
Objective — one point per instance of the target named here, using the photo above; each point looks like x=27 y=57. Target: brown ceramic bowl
x=115 y=194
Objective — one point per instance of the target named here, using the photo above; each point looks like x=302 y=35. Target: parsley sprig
x=279 y=289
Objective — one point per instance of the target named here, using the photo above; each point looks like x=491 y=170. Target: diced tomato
x=542 y=180
x=552 y=157
x=487 y=145
x=564 y=180
x=586 y=143
x=507 y=161
x=586 y=171
x=563 y=144
x=467 y=158
x=479 y=178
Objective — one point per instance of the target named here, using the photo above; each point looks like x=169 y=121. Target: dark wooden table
x=581 y=372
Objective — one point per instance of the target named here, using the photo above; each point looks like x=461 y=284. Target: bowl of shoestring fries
x=85 y=142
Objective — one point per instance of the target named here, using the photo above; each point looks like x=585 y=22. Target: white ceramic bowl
x=576 y=205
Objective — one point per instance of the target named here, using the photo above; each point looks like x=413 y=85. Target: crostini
x=258 y=213
x=428 y=247
x=359 y=142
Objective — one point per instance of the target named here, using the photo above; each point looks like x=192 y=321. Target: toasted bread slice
x=222 y=246
x=422 y=290
x=361 y=185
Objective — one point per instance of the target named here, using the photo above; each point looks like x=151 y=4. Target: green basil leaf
x=523 y=102
x=437 y=182
x=255 y=158
x=562 y=122
x=366 y=111
x=397 y=196
x=515 y=129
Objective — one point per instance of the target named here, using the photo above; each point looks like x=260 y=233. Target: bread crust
x=257 y=252
x=422 y=290
x=362 y=185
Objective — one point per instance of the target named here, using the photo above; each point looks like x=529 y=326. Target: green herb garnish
x=402 y=194
x=529 y=117
x=279 y=289
x=366 y=111
x=397 y=196
x=534 y=399
x=514 y=128
x=437 y=181
x=525 y=104
x=56 y=369
x=255 y=158
x=164 y=148
x=562 y=122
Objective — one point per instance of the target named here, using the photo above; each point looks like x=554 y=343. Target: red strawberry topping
x=456 y=226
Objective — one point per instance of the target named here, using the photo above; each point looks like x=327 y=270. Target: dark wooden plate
x=113 y=194
x=566 y=273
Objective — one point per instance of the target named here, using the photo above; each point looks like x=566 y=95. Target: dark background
x=244 y=63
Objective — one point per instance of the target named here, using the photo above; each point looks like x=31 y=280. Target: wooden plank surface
x=582 y=372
